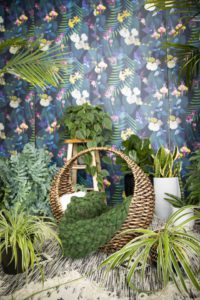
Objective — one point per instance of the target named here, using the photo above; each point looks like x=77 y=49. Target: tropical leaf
x=183 y=5
x=15 y=41
x=40 y=68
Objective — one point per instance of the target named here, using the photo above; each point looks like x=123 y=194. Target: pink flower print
x=182 y=88
x=18 y=130
x=63 y=9
x=115 y=118
x=47 y=18
x=106 y=182
x=18 y=22
x=162 y=30
x=172 y=32
x=23 y=126
x=164 y=90
x=60 y=154
x=155 y=35
x=189 y=119
x=53 y=14
x=54 y=124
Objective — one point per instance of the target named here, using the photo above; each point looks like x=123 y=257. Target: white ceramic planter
x=190 y=213
x=163 y=209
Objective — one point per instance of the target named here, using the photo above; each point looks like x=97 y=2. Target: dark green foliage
x=26 y=179
x=86 y=235
x=193 y=181
x=138 y=150
x=91 y=206
x=87 y=122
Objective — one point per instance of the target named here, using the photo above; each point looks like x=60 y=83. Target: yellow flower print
x=122 y=16
x=74 y=77
x=73 y=22
x=99 y=9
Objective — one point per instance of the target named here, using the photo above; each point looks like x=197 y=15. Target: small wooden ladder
x=73 y=150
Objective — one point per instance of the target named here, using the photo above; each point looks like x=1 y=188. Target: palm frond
x=37 y=67
x=182 y=5
x=189 y=57
x=16 y=41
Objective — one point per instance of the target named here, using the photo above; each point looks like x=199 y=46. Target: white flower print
x=154 y=124
x=132 y=96
x=152 y=64
x=130 y=37
x=80 y=41
x=81 y=98
x=174 y=122
x=45 y=100
x=1 y=126
x=14 y=103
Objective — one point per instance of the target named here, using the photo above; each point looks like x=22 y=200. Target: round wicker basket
x=141 y=208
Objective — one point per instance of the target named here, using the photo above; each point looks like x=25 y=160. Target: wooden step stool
x=73 y=150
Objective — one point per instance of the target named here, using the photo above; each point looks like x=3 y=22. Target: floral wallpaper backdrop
x=114 y=59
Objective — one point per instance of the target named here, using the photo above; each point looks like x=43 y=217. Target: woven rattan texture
x=140 y=210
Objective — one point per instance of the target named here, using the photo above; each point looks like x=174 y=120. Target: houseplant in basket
x=175 y=252
x=141 y=152
x=21 y=239
x=166 y=171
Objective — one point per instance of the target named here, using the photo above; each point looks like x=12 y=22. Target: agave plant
x=31 y=63
x=188 y=54
x=176 y=253
x=23 y=235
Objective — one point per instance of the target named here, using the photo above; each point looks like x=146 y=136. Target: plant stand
x=72 y=151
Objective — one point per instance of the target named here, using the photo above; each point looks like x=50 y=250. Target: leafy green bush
x=82 y=233
x=193 y=180
x=138 y=150
x=26 y=179
x=87 y=122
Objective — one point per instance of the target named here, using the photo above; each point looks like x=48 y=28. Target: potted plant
x=177 y=203
x=166 y=171
x=176 y=254
x=141 y=152
x=21 y=239
x=87 y=122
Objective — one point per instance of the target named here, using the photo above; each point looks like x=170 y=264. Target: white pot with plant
x=166 y=171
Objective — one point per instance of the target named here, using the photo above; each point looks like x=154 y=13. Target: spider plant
x=177 y=253
x=188 y=54
x=30 y=63
x=22 y=237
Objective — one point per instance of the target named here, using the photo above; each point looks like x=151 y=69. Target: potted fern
x=166 y=171
x=21 y=239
